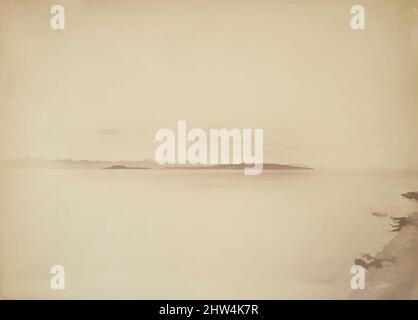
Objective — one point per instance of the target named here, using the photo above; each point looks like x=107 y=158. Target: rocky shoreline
x=393 y=272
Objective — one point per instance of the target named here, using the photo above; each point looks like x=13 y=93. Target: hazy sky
x=324 y=94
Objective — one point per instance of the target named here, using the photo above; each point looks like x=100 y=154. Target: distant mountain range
x=33 y=163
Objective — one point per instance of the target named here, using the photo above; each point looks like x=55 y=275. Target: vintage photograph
x=229 y=150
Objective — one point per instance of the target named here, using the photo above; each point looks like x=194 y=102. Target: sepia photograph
x=208 y=150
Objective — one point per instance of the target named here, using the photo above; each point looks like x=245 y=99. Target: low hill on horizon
x=33 y=163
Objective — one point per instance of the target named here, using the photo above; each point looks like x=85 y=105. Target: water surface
x=183 y=234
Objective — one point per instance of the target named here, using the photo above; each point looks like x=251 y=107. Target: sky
x=325 y=95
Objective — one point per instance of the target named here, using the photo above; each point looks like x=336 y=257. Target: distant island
x=35 y=163
x=266 y=166
x=124 y=167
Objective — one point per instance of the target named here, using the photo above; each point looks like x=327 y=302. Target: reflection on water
x=193 y=234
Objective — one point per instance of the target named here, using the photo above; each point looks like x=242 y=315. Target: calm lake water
x=192 y=234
